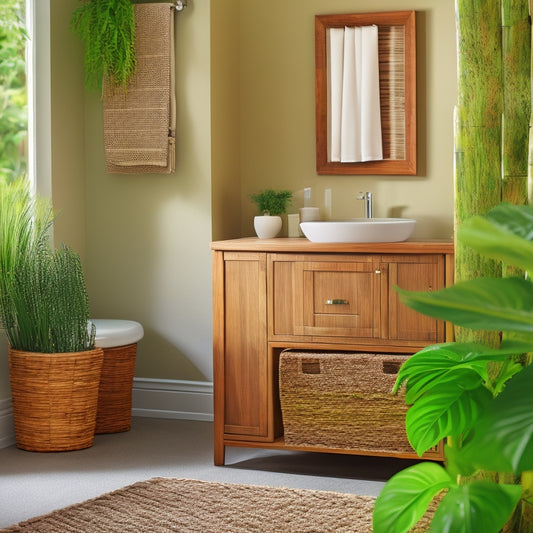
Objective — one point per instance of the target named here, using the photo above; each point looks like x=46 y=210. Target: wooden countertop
x=301 y=244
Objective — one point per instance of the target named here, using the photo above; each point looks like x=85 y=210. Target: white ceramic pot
x=267 y=226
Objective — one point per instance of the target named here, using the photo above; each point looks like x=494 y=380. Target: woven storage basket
x=116 y=382
x=54 y=398
x=342 y=400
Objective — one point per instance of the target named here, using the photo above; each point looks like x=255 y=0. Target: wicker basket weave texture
x=115 y=396
x=342 y=400
x=55 y=398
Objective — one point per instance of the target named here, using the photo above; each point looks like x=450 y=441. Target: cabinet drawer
x=327 y=299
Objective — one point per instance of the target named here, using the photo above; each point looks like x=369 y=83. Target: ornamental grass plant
x=44 y=305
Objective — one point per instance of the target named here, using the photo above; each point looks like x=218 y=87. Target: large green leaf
x=405 y=497
x=479 y=507
x=503 y=437
x=451 y=409
x=484 y=303
x=425 y=385
x=444 y=362
x=457 y=464
x=505 y=233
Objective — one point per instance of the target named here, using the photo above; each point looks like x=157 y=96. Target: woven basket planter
x=116 y=383
x=55 y=398
x=342 y=400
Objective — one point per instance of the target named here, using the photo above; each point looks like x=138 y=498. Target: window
x=13 y=89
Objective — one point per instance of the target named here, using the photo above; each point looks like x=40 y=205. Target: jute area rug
x=163 y=505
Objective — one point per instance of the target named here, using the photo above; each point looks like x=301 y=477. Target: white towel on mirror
x=371 y=142
x=354 y=116
x=351 y=83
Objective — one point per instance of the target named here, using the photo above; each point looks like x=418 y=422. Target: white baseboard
x=169 y=398
x=155 y=398
x=7 y=428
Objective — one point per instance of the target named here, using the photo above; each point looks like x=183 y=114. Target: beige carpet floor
x=163 y=505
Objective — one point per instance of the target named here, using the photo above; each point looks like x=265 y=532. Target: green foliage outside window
x=13 y=94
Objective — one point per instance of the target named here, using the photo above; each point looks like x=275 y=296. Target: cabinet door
x=245 y=345
x=414 y=273
x=337 y=299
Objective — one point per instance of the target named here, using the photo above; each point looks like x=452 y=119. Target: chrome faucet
x=367 y=197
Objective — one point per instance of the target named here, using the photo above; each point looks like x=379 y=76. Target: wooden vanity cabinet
x=274 y=294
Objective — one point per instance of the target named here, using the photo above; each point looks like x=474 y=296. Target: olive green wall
x=148 y=235
x=277 y=112
x=226 y=178
x=67 y=129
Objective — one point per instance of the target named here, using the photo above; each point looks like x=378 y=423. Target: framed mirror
x=376 y=132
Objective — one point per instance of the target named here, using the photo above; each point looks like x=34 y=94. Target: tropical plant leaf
x=451 y=409
x=405 y=497
x=505 y=373
x=457 y=464
x=503 y=437
x=485 y=303
x=505 y=233
x=441 y=362
x=478 y=507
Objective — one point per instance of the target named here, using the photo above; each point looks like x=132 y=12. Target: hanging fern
x=108 y=29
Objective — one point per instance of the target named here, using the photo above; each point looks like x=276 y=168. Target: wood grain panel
x=337 y=299
x=245 y=361
x=415 y=273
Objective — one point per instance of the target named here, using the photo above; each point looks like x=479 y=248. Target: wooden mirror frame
x=405 y=166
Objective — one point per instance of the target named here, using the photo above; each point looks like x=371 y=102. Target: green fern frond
x=108 y=29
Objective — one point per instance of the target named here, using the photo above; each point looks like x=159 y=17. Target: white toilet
x=118 y=338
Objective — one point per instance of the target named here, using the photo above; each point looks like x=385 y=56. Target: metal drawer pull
x=337 y=302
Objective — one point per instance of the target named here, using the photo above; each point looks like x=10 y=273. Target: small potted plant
x=54 y=368
x=271 y=205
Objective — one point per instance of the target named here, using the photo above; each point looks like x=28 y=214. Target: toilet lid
x=111 y=333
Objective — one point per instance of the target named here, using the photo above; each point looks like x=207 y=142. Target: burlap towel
x=140 y=123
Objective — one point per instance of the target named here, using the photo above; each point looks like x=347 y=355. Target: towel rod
x=180 y=5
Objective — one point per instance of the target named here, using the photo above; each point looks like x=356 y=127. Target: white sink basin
x=359 y=230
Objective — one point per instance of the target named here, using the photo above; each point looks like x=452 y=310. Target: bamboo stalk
x=493 y=159
x=516 y=53
x=516 y=65
x=530 y=141
x=478 y=136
